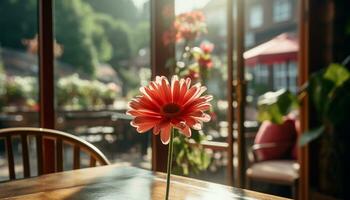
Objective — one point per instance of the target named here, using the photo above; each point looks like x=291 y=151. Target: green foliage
x=311 y=135
x=21 y=90
x=196 y=63
x=274 y=105
x=90 y=31
x=76 y=93
x=328 y=91
x=100 y=40
x=329 y=94
x=119 y=37
x=18 y=21
x=124 y=10
x=190 y=157
x=141 y=36
x=74 y=29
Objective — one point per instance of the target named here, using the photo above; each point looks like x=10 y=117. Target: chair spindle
x=76 y=157
x=10 y=159
x=25 y=156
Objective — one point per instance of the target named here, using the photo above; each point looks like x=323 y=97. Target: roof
x=282 y=48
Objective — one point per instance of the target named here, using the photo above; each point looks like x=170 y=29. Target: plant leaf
x=337 y=73
x=274 y=105
x=339 y=107
x=319 y=91
x=310 y=135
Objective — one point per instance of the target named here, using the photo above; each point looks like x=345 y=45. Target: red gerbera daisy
x=163 y=106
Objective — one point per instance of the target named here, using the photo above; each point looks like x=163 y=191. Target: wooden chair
x=281 y=172
x=59 y=138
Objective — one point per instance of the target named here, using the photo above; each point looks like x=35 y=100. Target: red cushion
x=283 y=134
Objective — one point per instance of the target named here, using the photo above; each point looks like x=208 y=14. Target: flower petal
x=144 y=128
x=186 y=131
x=165 y=134
x=150 y=108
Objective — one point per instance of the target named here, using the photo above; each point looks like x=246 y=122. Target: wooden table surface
x=120 y=182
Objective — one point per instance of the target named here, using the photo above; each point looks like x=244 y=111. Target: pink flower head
x=207 y=47
x=189 y=25
x=163 y=106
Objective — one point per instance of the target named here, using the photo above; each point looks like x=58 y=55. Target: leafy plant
x=21 y=90
x=328 y=90
x=76 y=93
x=190 y=159
x=194 y=62
x=274 y=105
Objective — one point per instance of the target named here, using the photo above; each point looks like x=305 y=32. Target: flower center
x=171 y=109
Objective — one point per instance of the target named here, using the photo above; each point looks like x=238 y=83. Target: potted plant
x=277 y=126
x=73 y=93
x=20 y=91
x=110 y=93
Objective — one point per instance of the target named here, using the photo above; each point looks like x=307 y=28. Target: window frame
x=256 y=13
x=282 y=10
x=158 y=58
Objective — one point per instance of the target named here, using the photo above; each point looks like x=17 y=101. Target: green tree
x=74 y=29
x=119 y=34
x=141 y=36
x=83 y=41
x=100 y=40
x=123 y=10
x=18 y=21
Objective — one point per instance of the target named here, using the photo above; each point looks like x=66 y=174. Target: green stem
x=170 y=161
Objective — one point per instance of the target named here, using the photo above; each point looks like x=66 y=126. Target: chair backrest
x=59 y=138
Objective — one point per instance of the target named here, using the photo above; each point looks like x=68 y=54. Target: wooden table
x=120 y=182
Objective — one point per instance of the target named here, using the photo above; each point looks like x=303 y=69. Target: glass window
x=105 y=58
x=280 y=76
x=19 y=74
x=264 y=74
x=249 y=39
x=282 y=10
x=256 y=16
x=293 y=77
x=201 y=55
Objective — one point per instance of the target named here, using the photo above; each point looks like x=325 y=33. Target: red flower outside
x=163 y=106
x=207 y=47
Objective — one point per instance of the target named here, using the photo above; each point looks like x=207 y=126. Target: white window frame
x=282 y=10
x=256 y=16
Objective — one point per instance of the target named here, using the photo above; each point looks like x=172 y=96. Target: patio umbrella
x=281 y=49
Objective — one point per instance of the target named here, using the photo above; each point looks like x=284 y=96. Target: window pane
x=281 y=10
x=103 y=60
x=203 y=59
x=271 y=65
x=256 y=17
x=18 y=72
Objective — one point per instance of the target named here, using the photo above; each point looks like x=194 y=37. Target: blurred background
x=102 y=53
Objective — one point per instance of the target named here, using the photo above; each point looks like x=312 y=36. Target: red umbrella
x=283 y=48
